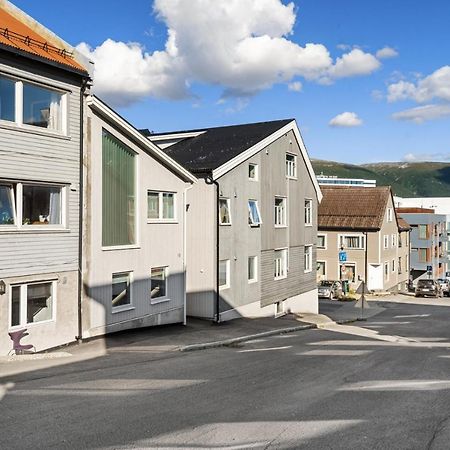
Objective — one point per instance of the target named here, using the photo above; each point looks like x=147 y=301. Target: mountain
x=420 y=179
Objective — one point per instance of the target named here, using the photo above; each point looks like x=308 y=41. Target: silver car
x=330 y=289
x=445 y=288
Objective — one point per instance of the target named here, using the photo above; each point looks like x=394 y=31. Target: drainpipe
x=81 y=211
x=185 y=248
x=210 y=180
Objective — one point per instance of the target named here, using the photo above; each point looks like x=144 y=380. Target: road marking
x=411 y=316
x=267 y=349
x=335 y=353
x=398 y=385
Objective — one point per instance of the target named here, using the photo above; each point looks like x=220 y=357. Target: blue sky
x=399 y=105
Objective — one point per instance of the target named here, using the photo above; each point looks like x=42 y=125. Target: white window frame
x=393 y=266
x=325 y=239
x=282 y=268
x=394 y=240
x=280 y=212
x=165 y=298
x=324 y=268
x=308 y=262
x=254 y=260
x=227 y=275
x=342 y=244
x=256 y=167
x=18 y=207
x=250 y=215
x=161 y=219
x=352 y=264
x=229 y=211
x=18 y=107
x=308 y=212
x=24 y=304
x=390 y=214
x=291 y=166
x=128 y=306
x=386 y=272
x=385 y=241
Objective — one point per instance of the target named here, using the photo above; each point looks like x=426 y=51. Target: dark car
x=330 y=289
x=429 y=288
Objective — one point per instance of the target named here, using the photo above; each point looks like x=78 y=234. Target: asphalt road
x=381 y=384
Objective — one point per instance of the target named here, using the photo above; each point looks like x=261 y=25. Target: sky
x=367 y=81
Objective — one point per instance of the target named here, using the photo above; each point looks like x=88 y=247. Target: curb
x=226 y=342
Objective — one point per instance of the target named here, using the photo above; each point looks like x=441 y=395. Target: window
x=32 y=303
x=423 y=232
x=291 y=165
x=386 y=271
x=399 y=264
x=280 y=212
x=118 y=193
x=224 y=211
x=254 y=217
x=393 y=265
x=40 y=107
x=385 y=241
x=321 y=241
x=308 y=258
x=26 y=204
x=308 y=212
x=351 y=242
x=347 y=272
x=253 y=172
x=160 y=206
x=280 y=264
x=121 y=290
x=252 y=269
x=390 y=215
x=422 y=254
x=224 y=274
x=158 y=282
x=321 y=270
x=394 y=240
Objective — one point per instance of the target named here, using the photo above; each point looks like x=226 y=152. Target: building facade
x=41 y=85
x=252 y=220
x=361 y=238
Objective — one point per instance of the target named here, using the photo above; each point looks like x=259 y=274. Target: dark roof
x=353 y=208
x=413 y=210
x=216 y=146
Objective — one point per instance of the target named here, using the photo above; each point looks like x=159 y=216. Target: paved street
x=379 y=384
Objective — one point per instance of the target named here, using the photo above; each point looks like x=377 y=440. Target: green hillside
x=421 y=179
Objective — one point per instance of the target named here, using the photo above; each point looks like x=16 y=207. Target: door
x=375 y=277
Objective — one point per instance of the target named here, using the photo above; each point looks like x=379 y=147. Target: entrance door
x=375 y=277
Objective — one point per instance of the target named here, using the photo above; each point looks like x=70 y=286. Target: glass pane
x=41 y=205
x=39 y=302
x=118 y=193
x=253 y=213
x=153 y=205
x=6 y=206
x=121 y=289
x=41 y=107
x=168 y=206
x=224 y=212
x=252 y=171
x=7 y=99
x=251 y=268
x=15 y=306
x=223 y=266
x=158 y=282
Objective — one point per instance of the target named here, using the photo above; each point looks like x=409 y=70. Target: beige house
x=358 y=234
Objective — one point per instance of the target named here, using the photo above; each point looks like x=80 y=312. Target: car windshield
x=425 y=283
x=326 y=284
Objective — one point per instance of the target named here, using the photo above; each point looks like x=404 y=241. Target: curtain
x=55 y=206
x=54 y=119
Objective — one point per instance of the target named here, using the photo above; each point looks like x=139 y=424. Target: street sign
x=342 y=256
x=429 y=268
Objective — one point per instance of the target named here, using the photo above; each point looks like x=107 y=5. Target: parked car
x=330 y=289
x=445 y=287
x=426 y=288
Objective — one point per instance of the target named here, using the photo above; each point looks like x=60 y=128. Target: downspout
x=185 y=249
x=210 y=180
x=81 y=211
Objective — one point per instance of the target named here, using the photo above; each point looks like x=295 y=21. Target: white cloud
x=386 y=52
x=417 y=157
x=434 y=86
x=345 y=119
x=422 y=113
x=243 y=46
x=295 y=86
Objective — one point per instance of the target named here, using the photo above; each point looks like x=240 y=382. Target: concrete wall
x=33 y=254
x=158 y=244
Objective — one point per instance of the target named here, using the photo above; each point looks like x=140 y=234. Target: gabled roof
x=21 y=34
x=403 y=225
x=133 y=134
x=353 y=208
x=218 y=150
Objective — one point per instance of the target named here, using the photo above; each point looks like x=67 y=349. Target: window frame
x=17 y=197
x=227 y=284
x=256 y=177
x=284 y=267
x=162 y=219
x=24 y=302
x=385 y=241
x=394 y=240
x=307 y=268
x=390 y=215
x=250 y=214
x=127 y=306
x=164 y=298
x=421 y=227
x=360 y=236
x=255 y=269
x=18 y=121
x=323 y=264
x=309 y=212
x=386 y=272
x=291 y=166
x=324 y=241
x=228 y=201
x=283 y=215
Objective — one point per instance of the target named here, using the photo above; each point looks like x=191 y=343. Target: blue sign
x=342 y=256
x=429 y=268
